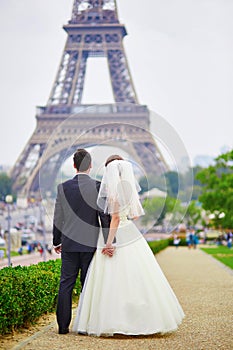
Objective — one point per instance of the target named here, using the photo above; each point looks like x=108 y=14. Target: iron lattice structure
x=93 y=30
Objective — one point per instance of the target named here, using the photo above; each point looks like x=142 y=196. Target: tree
x=173 y=183
x=193 y=214
x=190 y=183
x=217 y=193
x=155 y=210
x=175 y=212
x=5 y=186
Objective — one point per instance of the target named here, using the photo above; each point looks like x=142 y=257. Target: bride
x=125 y=291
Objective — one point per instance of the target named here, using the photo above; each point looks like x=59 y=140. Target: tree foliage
x=5 y=186
x=193 y=214
x=157 y=209
x=173 y=183
x=217 y=192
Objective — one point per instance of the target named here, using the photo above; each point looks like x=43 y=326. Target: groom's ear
x=74 y=166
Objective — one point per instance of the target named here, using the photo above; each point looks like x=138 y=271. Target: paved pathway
x=205 y=290
x=27 y=259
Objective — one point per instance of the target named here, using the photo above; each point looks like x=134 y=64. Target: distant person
x=229 y=240
x=49 y=249
x=205 y=235
x=195 y=240
x=20 y=251
x=29 y=248
x=1 y=254
x=176 y=241
x=40 y=249
x=191 y=239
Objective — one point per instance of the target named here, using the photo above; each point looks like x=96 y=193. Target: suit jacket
x=77 y=218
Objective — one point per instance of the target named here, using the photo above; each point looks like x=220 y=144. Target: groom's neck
x=83 y=172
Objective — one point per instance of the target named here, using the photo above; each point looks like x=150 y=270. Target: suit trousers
x=72 y=263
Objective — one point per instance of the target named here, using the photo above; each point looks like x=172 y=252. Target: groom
x=75 y=232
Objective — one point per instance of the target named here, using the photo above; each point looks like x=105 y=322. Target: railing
x=92 y=109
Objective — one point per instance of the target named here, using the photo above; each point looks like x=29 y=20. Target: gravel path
x=204 y=288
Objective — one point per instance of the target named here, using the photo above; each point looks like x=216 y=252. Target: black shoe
x=63 y=330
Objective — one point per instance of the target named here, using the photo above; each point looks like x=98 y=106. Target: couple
x=123 y=288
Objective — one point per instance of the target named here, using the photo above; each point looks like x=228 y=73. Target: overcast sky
x=180 y=54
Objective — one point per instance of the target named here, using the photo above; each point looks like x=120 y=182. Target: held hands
x=108 y=250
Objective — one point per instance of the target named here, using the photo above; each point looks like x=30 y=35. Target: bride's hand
x=108 y=250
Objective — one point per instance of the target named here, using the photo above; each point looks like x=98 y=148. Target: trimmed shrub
x=27 y=292
x=183 y=242
x=157 y=246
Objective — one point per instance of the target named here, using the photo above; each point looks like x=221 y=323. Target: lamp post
x=9 y=200
x=42 y=221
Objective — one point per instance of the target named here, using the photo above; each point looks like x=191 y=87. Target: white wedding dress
x=127 y=293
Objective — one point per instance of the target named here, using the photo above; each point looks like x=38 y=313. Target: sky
x=180 y=55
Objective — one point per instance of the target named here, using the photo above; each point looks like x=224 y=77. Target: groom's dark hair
x=82 y=159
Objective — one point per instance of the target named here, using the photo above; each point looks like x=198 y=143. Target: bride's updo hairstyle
x=112 y=158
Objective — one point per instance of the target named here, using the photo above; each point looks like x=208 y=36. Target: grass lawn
x=223 y=254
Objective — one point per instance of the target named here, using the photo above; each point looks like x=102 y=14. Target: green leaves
x=157 y=208
x=193 y=214
x=157 y=246
x=217 y=193
x=5 y=185
x=27 y=292
x=154 y=210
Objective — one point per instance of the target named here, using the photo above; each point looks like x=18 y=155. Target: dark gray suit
x=76 y=226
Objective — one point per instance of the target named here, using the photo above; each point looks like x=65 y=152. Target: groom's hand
x=58 y=249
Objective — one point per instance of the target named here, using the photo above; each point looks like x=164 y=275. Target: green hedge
x=157 y=246
x=183 y=242
x=27 y=292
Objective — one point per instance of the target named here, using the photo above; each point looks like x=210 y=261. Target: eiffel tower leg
x=20 y=163
x=25 y=164
x=62 y=87
x=78 y=83
x=45 y=178
x=120 y=76
x=150 y=158
x=68 y=85
x=144 y=148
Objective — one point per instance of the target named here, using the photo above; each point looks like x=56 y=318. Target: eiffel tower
x=65 y=123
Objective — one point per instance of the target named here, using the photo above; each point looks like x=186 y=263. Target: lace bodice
x=123 y=217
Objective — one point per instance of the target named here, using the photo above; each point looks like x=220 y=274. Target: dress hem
x=111 y=334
